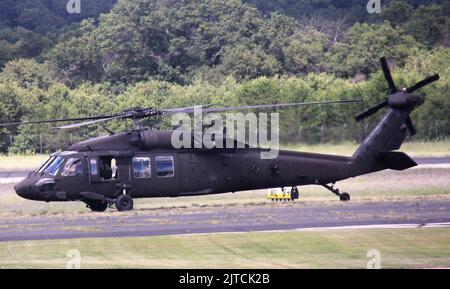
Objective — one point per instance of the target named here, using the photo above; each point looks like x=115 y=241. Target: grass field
x=399 y=248
x=440 y=148
x=21 y=162
x=410 y=184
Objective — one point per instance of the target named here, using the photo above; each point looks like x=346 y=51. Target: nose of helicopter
x=27 y=189
x=23 y=189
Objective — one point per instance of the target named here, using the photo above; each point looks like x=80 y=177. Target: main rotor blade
x=371 y=110
x=422 y=83
x=410 y=126
x=80 y=124
x=388 y=75
x=187 y=109
x=56 y=120
x=222 y=109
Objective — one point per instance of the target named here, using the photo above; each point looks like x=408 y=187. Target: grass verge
x=399 y=248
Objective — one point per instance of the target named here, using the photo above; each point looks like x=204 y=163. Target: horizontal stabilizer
x=396 y=160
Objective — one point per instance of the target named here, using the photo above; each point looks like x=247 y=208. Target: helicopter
x=142 y=163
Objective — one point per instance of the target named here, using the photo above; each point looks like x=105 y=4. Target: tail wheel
x=124 y=203
x=344 y=197
x=97 y=206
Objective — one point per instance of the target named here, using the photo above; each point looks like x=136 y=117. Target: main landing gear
x=99 y=203
x=124 y=203
x=342 y=196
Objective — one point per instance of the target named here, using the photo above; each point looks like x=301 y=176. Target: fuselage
x=160 y=172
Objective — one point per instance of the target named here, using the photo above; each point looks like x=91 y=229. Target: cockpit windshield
x=44 y=165
x=54 y=166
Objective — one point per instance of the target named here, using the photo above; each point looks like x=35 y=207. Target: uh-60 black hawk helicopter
x=147 y=165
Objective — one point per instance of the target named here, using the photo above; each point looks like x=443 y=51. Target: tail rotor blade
x=410 y=126
x=423 y=83
x=371 y=110
x=388 y=75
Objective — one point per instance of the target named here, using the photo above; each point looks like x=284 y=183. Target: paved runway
x=275 y=216
x=432 y=160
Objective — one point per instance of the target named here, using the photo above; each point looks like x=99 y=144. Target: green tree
x=160 y=40
x=11 y=98
x=366 y=43
x=77 y=59
x=244 y=63
x=305 y=52
x=27 y=73
x=397 y=12
x=428 y=24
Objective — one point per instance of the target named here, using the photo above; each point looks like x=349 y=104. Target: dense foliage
x=169 y=53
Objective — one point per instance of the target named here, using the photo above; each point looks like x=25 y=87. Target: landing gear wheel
x=97 y=206
x=124 y=203
x=294 y=193
x=344 y=197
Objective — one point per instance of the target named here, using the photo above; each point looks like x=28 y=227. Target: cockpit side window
x=93 y=167
x=54 y=166
x=73 y=167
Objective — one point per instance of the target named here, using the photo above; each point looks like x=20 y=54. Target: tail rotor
x=398 y=99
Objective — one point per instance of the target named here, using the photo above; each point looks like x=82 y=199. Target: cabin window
x=73 y=167
x=164 y=167
x=93 y=167
x=142 y=167
x=108 y=168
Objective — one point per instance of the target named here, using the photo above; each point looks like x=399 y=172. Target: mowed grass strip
x=399 y=248
x=21 y=162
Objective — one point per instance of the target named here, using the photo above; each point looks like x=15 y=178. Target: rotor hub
x=402 y=99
